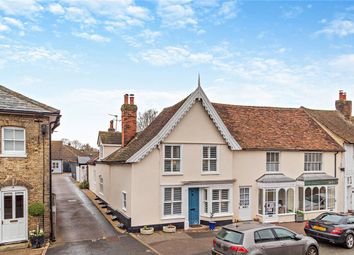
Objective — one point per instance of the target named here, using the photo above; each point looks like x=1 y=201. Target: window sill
x=173 y=217
x=13 y=155
x=218 y=215
x=172 y=174
x=210 y=173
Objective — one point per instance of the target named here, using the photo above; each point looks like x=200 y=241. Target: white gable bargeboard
x=198 y=94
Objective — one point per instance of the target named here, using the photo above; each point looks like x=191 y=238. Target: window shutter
x=177 y=194
x=168 y=151
x=213 y=152
x=168 y=194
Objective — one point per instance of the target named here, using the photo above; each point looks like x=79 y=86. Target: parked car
x=333 y=227
x=262 y=239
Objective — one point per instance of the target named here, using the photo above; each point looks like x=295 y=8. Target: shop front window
x=270 y=201
x=260 y=201
x=290 y=199
x=318 y=198
x=285 y=201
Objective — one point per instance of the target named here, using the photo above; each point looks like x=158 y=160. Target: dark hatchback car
x=332 y=227
x=262 y=239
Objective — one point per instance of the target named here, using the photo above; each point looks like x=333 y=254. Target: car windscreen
x=332 y=218
x=230 y=236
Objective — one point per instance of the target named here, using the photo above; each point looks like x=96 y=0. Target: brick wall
x=32 y=171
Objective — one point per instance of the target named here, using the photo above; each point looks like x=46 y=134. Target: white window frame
x=272 y=162
x=13 y=153
x=100 y=184
x=313 y=162
x=171 y=216
x=208 y=172
x=180 y=172
x=327 y=187
x=220 y=200
x=124 y=201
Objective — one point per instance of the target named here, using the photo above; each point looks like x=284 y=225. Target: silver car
x=262 y=239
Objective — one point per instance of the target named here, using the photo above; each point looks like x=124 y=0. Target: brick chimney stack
x=343 y=105
x=111 y=128
x=129 y=115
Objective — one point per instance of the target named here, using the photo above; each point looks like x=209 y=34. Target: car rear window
x=230 y=236
x=333 y=218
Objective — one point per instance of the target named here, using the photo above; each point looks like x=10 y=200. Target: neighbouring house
x=65 y=157
x=108 y=141
x=26 y=127
x=200 y=161
x=82 y=168
x=339 y=124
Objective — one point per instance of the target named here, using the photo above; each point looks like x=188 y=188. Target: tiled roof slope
x=14 y=102
x=142 y=138
x=254 y=128
x=272 y=128
x=109 y=137
x=336 y=122
x=65 y=152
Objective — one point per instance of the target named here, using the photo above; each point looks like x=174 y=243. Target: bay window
x=318 y=198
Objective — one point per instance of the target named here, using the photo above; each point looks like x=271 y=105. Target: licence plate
x=319 y=228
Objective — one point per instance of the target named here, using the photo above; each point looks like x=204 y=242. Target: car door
x=266 y=242
x=288 y=243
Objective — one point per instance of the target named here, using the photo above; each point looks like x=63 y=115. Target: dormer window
x=13 y=141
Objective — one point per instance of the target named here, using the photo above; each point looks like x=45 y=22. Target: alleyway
x=81 y=229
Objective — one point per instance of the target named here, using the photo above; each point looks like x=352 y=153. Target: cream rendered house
x=338 y=123
x=199 y=159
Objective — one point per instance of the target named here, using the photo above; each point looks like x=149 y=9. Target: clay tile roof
x=142 y=138
x=336 y=122
x=254 y=128
x=12 y=101
x=109 y=137
x=65 y=152
x=272 y=128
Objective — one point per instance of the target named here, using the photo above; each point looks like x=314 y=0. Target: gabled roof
x=110 y=137
x=65 y=152
x=335 y=122
x=163 y=125
x=275 y=128
x=242 y=127
x=12 y=101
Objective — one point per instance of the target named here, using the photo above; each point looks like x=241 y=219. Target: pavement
x=82 y=229
x=199 y=243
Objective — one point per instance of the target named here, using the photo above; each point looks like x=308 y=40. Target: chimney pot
x=131 y=99
x=111 y=128
x=126 y=99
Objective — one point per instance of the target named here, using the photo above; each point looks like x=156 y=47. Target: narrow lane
x=82 y=229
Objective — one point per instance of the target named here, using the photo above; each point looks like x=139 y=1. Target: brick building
x=25 y=131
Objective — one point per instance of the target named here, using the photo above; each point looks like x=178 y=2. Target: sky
x=82 y=56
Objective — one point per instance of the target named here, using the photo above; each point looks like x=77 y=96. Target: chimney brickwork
x=343 y=105
x=129 y=119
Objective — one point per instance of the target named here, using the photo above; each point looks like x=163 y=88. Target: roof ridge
x=258 y=106
x=30 y=100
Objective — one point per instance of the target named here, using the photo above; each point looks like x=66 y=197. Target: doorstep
x=22 y=249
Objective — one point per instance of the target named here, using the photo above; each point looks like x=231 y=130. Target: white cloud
x=92 y=37
x=149 y=36
x=343 y=62
x=13 y=22
x=21 y=7
x=177 y=14
x=79 y=15
x=292 y=12
x=56 y=9
x=3 y=28
x=228 y=10
x=340 y=27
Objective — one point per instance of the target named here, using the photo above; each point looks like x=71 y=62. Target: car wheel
x=312 y=250
x=349 y=241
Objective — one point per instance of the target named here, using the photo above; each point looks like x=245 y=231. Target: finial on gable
x=198 y=80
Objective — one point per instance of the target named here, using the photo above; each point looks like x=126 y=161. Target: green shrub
x=84 y=185
x=36 y=209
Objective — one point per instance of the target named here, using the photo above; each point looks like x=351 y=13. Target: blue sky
x=81 y=56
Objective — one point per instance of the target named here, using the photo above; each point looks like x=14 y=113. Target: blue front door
x=193 y=206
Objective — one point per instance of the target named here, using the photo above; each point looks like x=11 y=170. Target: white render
x=144 y=180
